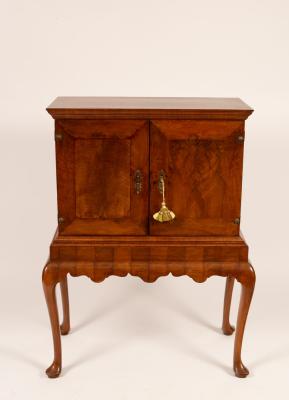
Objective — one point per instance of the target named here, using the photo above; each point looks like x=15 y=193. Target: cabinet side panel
x=65 y=165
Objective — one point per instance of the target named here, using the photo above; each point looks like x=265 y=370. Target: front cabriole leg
x=227 y=328
x=247 y=279
x=244 y=273
x=50 y=278
x=65 y=326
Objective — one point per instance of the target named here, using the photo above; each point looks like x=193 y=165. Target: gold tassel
x=164 y=215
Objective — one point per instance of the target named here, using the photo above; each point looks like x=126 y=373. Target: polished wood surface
x=112 y=250
x=96 y=165
x=202 y=161
x=105 y=225
x=65 y=326
x=49 y=282
x=246 y=296
x=149 y=107
x=227 y=328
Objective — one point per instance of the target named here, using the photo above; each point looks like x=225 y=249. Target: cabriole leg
x=65 y=326
x=227 y=328
x=248 y=284
x=49 y=281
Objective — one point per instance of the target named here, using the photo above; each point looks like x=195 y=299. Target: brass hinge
x=58 y=136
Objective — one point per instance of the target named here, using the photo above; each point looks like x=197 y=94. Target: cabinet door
x=102 y=176
x=202 y=164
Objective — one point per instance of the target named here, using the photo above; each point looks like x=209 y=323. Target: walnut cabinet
x=148 y=187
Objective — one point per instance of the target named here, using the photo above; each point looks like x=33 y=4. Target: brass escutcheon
x=138 y=181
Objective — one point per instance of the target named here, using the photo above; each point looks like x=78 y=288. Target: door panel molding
x=96 y=164
x=202 y=161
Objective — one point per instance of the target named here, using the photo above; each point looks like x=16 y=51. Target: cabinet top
x=149 y=107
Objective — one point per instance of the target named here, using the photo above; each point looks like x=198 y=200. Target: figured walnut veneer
x=105 y=225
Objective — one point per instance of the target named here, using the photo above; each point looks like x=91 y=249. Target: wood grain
x=202 y=161
x=96 y=164
x=102 y=165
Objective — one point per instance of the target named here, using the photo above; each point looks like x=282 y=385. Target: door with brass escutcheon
x=200 y=164
x=102 y=176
